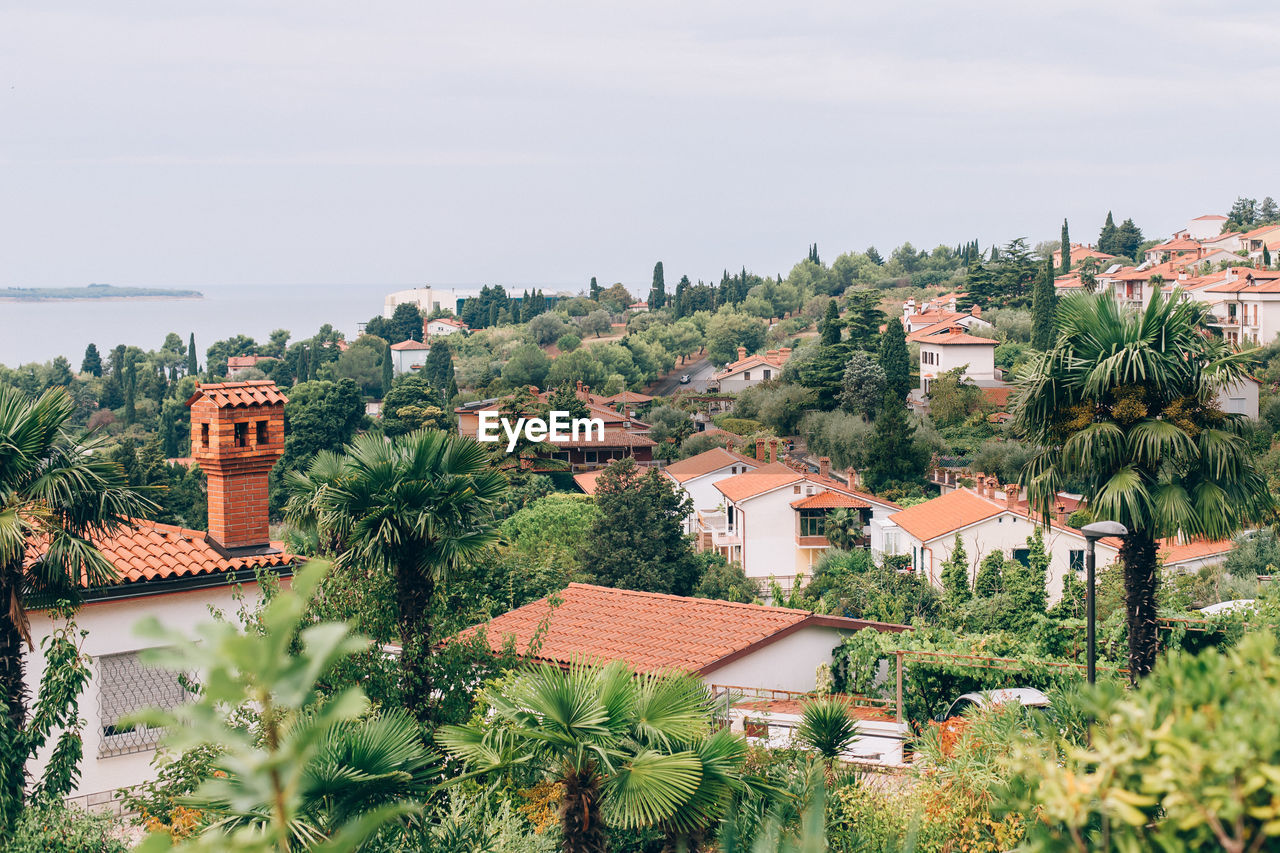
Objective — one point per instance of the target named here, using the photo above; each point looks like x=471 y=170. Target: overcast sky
x=161 y=142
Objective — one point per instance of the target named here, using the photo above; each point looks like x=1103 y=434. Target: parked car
x=1028 y=697
x=685 y=379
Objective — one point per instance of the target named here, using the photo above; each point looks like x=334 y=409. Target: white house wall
x=111 y=631
x=790 y=663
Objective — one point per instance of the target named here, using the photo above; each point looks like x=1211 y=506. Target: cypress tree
x=1044 y=308
x=300 y=374
x=388 y=374
x=990 y=579
x=830 y=326
x=1266 y=261
x=92 y=362
x=955 y=575
x=130 y=392
x=193 y=365
x=595 y=288
x=894 y=455
x=313 y=365
x=657 y=293
x=1066 y=249
x=1107 y=236
x=895 y=360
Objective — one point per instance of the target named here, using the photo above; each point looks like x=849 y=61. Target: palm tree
x=415 y=508
x=636 y=748
x=59 y=492
x=357 y=767
x=1124 y=408
x=826 y=727
x=844 y=528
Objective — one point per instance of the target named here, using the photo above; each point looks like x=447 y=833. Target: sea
x=41 y=331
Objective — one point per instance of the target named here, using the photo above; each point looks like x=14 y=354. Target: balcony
x=714 y=530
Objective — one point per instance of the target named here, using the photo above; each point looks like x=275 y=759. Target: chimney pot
x=1011 y=495
x=742 y=353
x=760 y=449
x=824 y=466
x=773 y=450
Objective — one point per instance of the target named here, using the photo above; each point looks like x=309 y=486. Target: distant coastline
x=92 y=292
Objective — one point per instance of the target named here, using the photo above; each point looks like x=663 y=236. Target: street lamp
x=1092 y=533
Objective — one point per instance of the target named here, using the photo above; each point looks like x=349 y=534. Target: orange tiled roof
x=149 y=550
x=940 y=327
x=410 y=344
x=706 y=462
x=587 y=480
x=998 y=396
x=1174 y=552
x=772 y=358
x=1217 y=217
x=830 y=500
x=651 y=632
x=254 y=392
x=1254 y=281
x=945 y=514
x=628 y=397
x=951 y=336
x=757 y=482
x=611 y=438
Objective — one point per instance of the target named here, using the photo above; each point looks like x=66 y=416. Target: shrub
x=56 y=828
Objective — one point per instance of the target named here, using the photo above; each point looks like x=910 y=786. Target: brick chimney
x=1011 y=495
x=773 y=450
x=993 y=485
x=824 y=466
x=742 y=353
x=1060 y=513
x=760 y=449
x=237 y=434
x=728 y=445
x=851 y=477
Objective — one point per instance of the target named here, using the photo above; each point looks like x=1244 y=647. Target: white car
x=1028 y=697
x=1228 y=606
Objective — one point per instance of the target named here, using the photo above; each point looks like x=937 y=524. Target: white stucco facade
x=112 y=762
x=940 y=356
x=788 y=663
x=703 y=492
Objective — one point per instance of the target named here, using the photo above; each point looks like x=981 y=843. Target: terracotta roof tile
x=595 y=624
x=410 y=344
x=945 y=514
x=255 y=392
x=611 y=438
x=757 y=482
x=587 y=480
x=1174 y=552
x=951 y=335
x=149 y=550
x=830 y=500
x=704 y=463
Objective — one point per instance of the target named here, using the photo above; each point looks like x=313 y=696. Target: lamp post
x=1092 y=533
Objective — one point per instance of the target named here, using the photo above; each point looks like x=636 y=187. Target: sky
x=152 y=142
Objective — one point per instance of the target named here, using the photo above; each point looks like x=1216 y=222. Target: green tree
x=843 y=528
x=1242 y=216
x=193 y=363
x=405 y=324
x=1025 y=583
x=527 y=366
x=729 y=329
x=388 y=370
x=955 y=575
x=1107 y=236
x=61 y=491
x=657 y=293
x=638 y=542
x=412 y=404
x=1065 y=243
x=545 y=328
x=895 y=360
x=130 y=391
x=60 y=374
x=895 y=458
x=411 y=510
x=558 y=525
x=92 y=363
x=864 y=385
x=990 y=578
x=1128 y=239
x=829 y=328
x=439 y=369
x=827 y=727
x=1124 y=407
x=630 y=749
x=863 y=319
x=1044 y=304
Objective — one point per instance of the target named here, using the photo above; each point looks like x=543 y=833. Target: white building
x=427 y=299
x=1203 y=228
x=175 y=575
x=774 y=520
x=698 y=476
x=409 y=356
x=986 y=519
x=748 y=371
x=950 y=347
x=443 y=326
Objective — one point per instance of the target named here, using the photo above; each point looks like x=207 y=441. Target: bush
x=56 y=828
x=569 y=343
x=741 y=426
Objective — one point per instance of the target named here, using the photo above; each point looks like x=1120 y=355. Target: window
x=1022 y=555
x=242 y=434
x=204 y=435
x=125 y=687
x=766 y=373
x=813 y=522
x=261 y=437
x=591 y=456
x=1077 y=561
x=795 y=490
x=746 y=375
